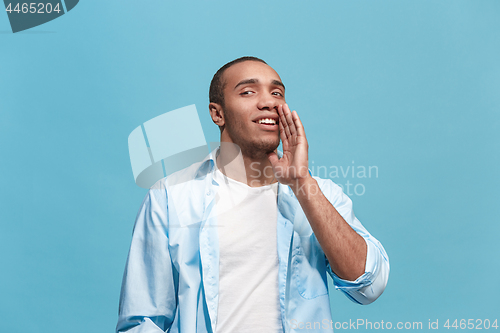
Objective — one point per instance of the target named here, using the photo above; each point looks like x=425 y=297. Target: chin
x=265 y=147
x=259 y=148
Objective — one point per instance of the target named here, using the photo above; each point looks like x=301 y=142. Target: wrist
x=302 y=186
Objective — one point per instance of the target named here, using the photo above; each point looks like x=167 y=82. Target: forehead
x=249 y=70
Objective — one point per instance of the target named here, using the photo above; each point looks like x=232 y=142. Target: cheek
x=235 y=120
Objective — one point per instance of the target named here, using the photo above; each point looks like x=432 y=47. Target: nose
x=267 y=102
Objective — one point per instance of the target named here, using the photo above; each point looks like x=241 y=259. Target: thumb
x=273 y=158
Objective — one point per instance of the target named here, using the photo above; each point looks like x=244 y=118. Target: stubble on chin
x=260 y=148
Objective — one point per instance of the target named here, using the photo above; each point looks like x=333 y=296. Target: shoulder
x=185 y=183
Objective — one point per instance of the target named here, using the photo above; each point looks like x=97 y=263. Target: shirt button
x=208 y=193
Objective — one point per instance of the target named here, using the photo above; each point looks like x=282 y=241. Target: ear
x=217 y=114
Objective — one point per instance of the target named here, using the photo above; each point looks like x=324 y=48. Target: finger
x=282 y=133
x=284 y=139
x=280 y=123
x=289 y=119
x=298 y=124
x=284 y=122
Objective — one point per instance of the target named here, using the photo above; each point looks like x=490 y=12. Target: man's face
x=252 y=93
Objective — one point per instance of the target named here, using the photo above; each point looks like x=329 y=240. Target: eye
x=277 y=93
x=247 y=92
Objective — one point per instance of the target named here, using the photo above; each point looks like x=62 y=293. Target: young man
x=242 y=241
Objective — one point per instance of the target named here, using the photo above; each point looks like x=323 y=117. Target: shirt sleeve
x=369 y=286
x=148 y=296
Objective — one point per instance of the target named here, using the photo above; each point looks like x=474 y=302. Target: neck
x=253 y=170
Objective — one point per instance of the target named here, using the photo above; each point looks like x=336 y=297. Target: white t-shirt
x=248 y=269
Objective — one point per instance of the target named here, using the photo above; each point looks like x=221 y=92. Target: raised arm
x=349 y=248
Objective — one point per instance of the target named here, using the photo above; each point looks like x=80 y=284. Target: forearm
x=345 y=248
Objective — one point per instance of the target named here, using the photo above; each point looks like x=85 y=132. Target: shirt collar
x=207 y=165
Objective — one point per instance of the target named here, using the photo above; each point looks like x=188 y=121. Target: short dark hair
x=216 y=93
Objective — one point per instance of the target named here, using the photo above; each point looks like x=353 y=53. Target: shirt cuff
x=363 y=290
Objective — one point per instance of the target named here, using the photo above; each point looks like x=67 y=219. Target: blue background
x=411 y=87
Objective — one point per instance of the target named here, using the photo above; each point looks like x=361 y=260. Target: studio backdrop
x=400 y=102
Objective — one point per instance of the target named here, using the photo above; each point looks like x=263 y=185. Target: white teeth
x=267 y=121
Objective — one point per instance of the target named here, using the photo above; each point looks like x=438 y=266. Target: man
x=242 y=241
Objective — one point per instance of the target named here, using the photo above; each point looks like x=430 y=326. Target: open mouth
x=267 y=121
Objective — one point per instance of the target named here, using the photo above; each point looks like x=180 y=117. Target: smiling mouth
x=267 y=121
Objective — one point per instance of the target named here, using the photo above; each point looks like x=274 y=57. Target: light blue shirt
x=171 y=278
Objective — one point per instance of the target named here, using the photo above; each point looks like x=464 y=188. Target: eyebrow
x=253 y=81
